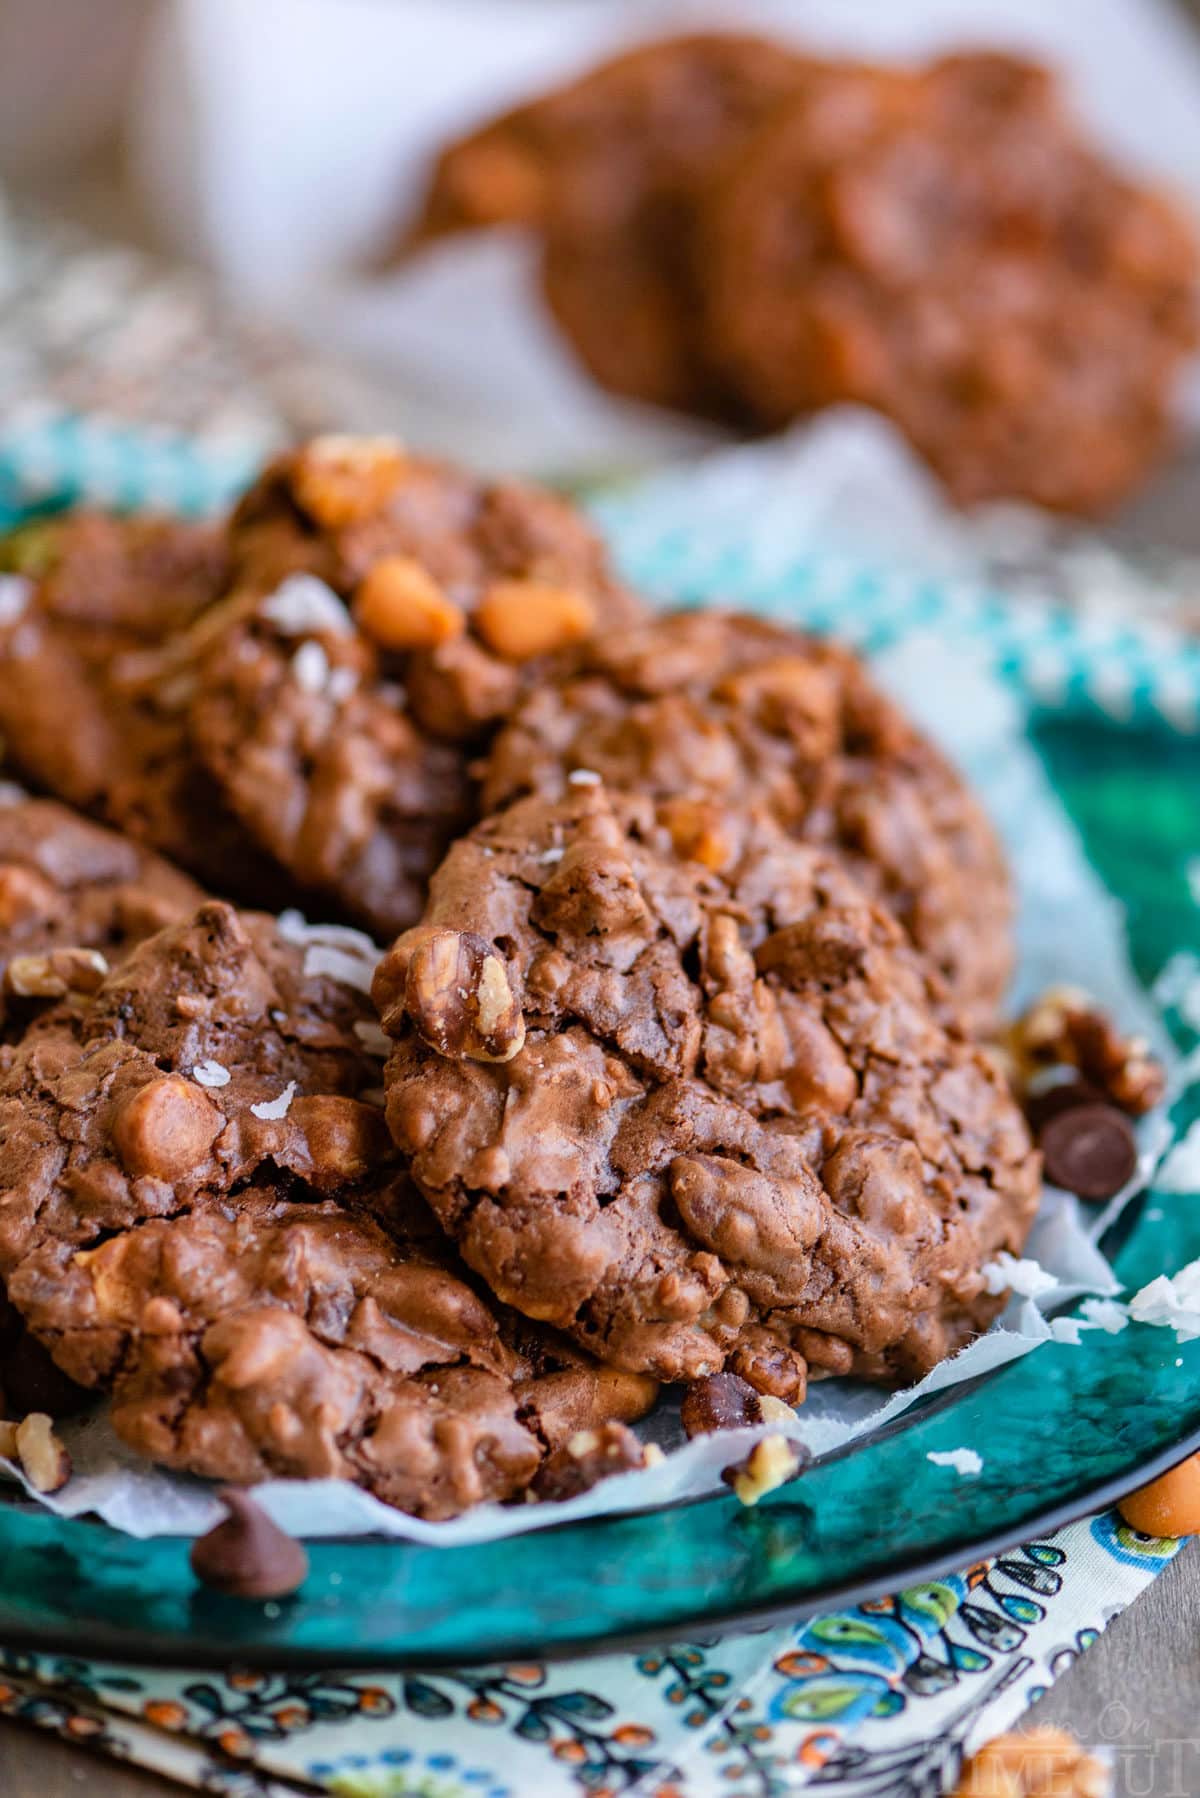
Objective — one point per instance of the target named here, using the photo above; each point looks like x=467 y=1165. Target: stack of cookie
x=670 y=1074
x=730 y=228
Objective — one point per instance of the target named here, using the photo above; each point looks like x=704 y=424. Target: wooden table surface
x=1137 y=1691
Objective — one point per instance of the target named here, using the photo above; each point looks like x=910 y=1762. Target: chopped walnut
x=46 y=1463
x=55 y=974
x=1041 y=1763
x=770 y=1464
x=457 y=993
x=588 y=1457
x=1065 y=1028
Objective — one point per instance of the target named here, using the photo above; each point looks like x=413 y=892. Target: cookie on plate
x=713 y=711
x=93 y=705
x=698 y=1115
x=74 y=898
x=944 y=244
x=205 y=1217
x=392 y=609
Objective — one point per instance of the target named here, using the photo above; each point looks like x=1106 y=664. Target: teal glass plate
x=1062 y=1431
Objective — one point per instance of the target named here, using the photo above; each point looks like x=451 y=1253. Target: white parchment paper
x=1069 y=930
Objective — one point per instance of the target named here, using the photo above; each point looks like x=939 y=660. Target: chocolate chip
x=722 y=1401
x=248 y=1556
x=1063 y=1095
x=588 y=1457
x=1089 y=1149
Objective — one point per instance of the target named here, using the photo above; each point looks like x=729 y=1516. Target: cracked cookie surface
x=713 y=711
x=205 y=1217
x=730 y=1128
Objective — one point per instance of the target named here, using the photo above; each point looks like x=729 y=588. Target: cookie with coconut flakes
x=698 y=1115
x=397 y=608
x=205 y=1216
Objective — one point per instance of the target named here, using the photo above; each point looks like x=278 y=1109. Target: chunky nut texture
x=457 y=993
x=737 y=1133
x=523 y=619
x=44 y=1459
x=256 y=1283
x=1065 y=1027
x=1035 y=1763
x=55 y=974
x=712 y=713
x=586 y=1458
x=725 y=1401
x=400 y=606
x=770 y=1464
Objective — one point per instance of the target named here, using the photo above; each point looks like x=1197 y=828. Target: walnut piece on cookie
x=238 y=1258
x=709 y=712
x=737 y=1133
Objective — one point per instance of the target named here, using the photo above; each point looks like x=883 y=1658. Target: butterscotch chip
x=523 y=619
x=400 y=606
x=165 y=1129
x=738 y=1125
x=340 y=480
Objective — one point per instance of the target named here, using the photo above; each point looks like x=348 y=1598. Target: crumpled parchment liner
x=1069 y=930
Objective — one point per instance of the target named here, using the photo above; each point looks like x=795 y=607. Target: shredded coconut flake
x=16 y=591
x=210 y=1073
x=337 y=964
x=1028 y=1278
x=583 y=777
x=310 y=665
x=270 y=1109
x=963 y=1460
x=372 y=1037
x=1172 y=1302
x=341 y=683
x=551 y=855
x=1180 y=1172
x=1108 y=1315
x=302 y=603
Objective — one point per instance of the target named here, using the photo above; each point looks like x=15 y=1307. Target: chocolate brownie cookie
x=714 y=710
x=945 y=245
x=393 y=610
x=93 y=703
x=698 y=1115
x=203 y=1215
x=73 y=899
x=611 y=170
